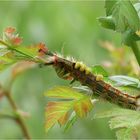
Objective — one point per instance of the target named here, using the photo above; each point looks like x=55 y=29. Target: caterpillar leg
x=62 y=73
x=72 y=81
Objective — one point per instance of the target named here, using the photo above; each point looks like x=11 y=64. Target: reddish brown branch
x=18 y=117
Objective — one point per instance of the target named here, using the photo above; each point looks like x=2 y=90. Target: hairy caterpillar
x=70 y=69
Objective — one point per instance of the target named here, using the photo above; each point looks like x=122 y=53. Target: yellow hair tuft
x=99 y=77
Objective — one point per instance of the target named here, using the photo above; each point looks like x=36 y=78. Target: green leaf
x=55 y=111
x=64 y=92
x=28 y=51
x=109 y=4
x=121 y=16
x=5 y=62
x=82 y=103
x=123 y=120
x=121 y=80
x=137 y=7
x=3 y=51
x=125 y=16
x=107 y=22
x=128 y=37
x=97 y=69
x=126 y=134
x=114 y=112
x=131 y=90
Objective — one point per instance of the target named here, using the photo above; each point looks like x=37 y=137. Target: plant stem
x=19 y=118
x=27 y=56
x=6 y=116
x=136 y=51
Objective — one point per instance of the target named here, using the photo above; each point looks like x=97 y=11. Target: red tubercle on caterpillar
x=117 y=92
x=107 y=86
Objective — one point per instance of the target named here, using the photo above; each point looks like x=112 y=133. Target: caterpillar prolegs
x=68 y=68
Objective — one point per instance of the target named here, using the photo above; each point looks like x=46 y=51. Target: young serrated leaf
x=55 y=111
x=64 y=93
x=121 y=121
x=63 y=119
x=11 y=37
x=3 y=51
x=5 y=62
x=130 y=120
x=28 y=51
x=83 y=106
x=114 y=112
x=122 y=118
x=71 y=121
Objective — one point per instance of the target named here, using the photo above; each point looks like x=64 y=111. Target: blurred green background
x=68 y=25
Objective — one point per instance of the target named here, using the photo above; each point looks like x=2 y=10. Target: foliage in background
x=124 y=17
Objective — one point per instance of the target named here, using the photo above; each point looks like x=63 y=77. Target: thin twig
x=6 y=116
x=18 y=118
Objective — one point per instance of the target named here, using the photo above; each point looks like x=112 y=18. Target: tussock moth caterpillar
x=68 y=68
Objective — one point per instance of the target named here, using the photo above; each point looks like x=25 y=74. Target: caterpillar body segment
x=62 y=72
x=82 y=67
x=68 y=69
x=138 y=102
x=77 y=65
